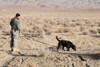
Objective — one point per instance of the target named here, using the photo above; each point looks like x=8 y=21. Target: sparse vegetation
x=37 y=42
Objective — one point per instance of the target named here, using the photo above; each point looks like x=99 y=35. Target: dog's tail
x=57 y=38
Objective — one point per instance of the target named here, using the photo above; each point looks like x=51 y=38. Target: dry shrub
x=32 y=64
x=25 y=30
x=39 y=33
x=98 y=30
x=82 y=28
x=48 y=31
x=86 y=32
x=0 y=26
x=77 y=24
x=73 y=25
x=36 y=27
x=35 y=34
x=63 y=30
x=93 y=31
x=99 y=25
x=47 y=26
x=92 y=25
x=65 y=25
x=88 y=22
x=51 y=22
x=74 y=20
x=6 y=32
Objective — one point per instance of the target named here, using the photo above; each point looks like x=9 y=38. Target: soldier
x=15 y=31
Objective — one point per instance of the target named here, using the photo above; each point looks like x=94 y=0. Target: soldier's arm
x=11 y=22
x=18 y=26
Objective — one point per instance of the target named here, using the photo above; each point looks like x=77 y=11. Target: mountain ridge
x=56 y=3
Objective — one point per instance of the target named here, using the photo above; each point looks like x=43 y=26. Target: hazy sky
x=56 y=2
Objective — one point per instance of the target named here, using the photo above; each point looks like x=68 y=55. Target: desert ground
x=37 y=42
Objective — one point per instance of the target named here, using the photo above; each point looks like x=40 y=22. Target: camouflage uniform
x=15 y=29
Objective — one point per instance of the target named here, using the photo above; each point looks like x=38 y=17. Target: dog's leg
x=58 y=46
x=68 y=48
x=63 y=48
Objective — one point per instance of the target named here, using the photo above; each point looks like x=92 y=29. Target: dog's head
x=74 y=47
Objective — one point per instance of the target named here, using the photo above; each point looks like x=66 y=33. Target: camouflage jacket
x=15 y=24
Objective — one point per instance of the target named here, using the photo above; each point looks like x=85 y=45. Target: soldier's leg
x=14 y=38
x=12 y=41
x=16 y=41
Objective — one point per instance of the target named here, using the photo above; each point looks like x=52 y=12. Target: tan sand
x=37 y=42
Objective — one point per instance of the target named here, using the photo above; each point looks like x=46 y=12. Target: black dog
x=65 y=43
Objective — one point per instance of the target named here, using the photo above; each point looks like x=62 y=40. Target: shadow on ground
x=24 y=55
x=95 y=56
x=97 y=36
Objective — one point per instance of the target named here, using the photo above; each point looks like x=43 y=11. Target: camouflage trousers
x=14 y=38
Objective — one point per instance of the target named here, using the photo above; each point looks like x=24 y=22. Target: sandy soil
x=37 y=42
